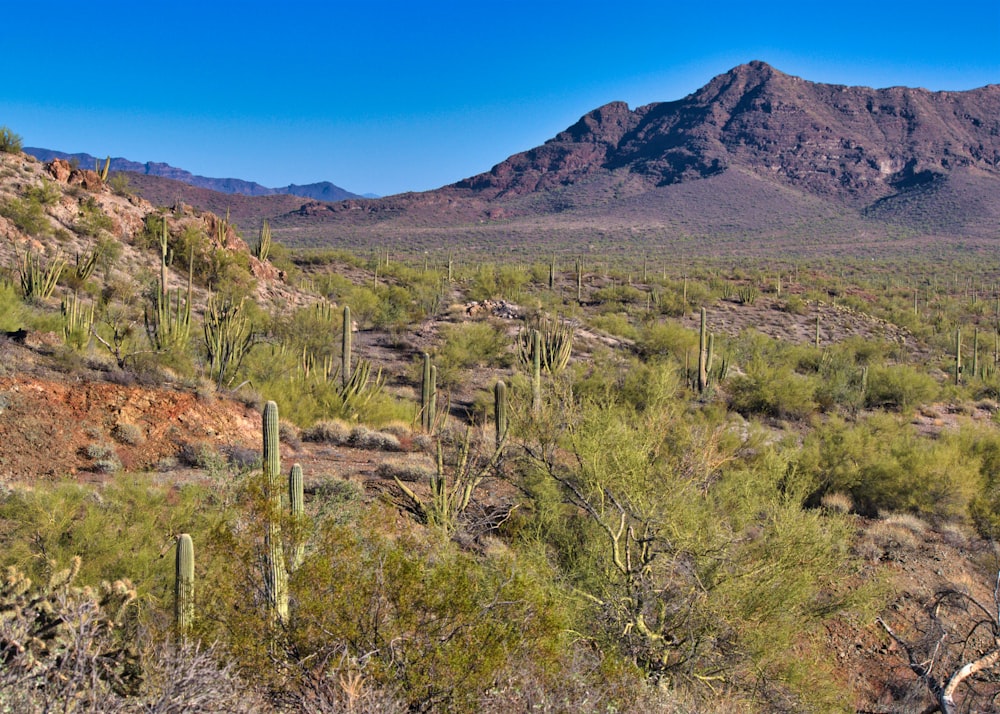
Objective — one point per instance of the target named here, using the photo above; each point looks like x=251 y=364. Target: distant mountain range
x=755 y=156
x=323 y=191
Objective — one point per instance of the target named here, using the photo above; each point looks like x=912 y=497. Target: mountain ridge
x=321 y=191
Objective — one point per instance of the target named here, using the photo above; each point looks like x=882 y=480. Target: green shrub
x=28 y=215
x=900 y=387
x=885 y=465
x=10 y=143
x=769 y=390
x=470 y=345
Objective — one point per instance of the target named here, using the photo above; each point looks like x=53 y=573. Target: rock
x=60 y=170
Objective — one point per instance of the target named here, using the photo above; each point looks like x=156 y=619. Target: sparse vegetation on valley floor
x=675 y=518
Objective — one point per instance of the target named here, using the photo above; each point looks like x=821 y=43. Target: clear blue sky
x=396 y=96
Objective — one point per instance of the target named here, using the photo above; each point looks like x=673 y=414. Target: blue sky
x=396 y=96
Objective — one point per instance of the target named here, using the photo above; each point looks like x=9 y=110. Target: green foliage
x=468 y=345
x=13 y=312
x=436 y=621
x=885 y=465
x=655 y=539
x=10 y=143
x=92 y=220
x=900 y=387
x=46 y=193
x=28 y=215
x=769 y=390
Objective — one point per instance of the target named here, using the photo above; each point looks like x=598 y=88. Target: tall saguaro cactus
x=184 y=584
x=958 y=356
x=500 y=411
x=345 y=349
x=703 y=352
x=428 y=389
x=275 y=575
x=296 y=502
x=536 y=371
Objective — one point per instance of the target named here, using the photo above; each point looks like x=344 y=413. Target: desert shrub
x=327 y=432
x=10 y=143
x=13 y=312
x=769 y=390
x=660 y=339
x=408 y=468
x=794 y=305
x=289 y=434
x=46 y=193
x=434 y=621
x=28 y=215
x=92 y=220
x=899 y=387
x=364 y=438
x=736 y=528
x=619 y=295
x=885 y=465
x=470 y=344
x=127 y=433
x=615 y=323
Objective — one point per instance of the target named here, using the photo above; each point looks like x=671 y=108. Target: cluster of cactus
x=42 y=625
x=453 y=483
x=275 y=565
x=78 y=321
x=262 y=246
x=748 y=294
x=168 y=322
x=38 y=282
x=103 y=172
x=552 y=348
x=229 y=336
x=87 y=264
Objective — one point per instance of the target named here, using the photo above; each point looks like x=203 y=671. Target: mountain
x=755 y=152
x=853 y=144
x=323 y=191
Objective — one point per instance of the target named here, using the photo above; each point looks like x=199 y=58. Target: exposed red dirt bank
x=51 y=429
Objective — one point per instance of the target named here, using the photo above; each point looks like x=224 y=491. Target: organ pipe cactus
x=275 y=575
x=184 y=584
x=554 y=348
x=262 y=247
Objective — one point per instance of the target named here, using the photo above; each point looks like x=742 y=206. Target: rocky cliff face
x=850 y=143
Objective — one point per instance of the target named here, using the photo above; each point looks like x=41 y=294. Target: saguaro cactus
x=500 y=411
x=296 y=502
x=345 y=349
x=275 y=575
x=958 y=356
x=536 y=371
x=184 y=584
x=703 y=352
x=428 y=397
